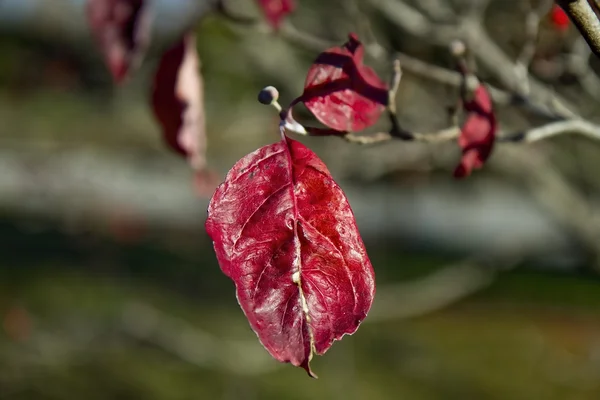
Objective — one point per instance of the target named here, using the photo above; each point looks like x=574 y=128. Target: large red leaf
x=122 y=30
x=341 y=91
x=284 y=232
x=178 y=104
x=478 y=133
x=276 y=10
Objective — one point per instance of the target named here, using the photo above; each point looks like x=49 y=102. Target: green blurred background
x=109 y=288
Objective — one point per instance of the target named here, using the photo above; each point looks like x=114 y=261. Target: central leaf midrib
x=298 y=256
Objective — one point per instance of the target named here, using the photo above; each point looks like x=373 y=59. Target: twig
x=574 y=126
x=440 y=136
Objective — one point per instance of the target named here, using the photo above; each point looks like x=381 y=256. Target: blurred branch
x=557 y=195
x=443 y=135
x=574 y=126
x=409 y=299
x=435 y=291
x=173 y=335
x=532 y=24
x=578 y=64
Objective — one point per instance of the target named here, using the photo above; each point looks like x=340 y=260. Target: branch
x=434 y=291
x=557 y=195
x=574 y=126
x=584 y=15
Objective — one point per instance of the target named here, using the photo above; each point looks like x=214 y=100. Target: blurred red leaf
x=341 y=92
x=178 y=104
x=122 y=30
x=478 y=133
x=284 y=232
x=17 y=323
x=125 y=225
x=276 y=10
x=559 y=18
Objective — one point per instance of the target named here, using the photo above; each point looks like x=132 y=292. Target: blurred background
x=488 y=288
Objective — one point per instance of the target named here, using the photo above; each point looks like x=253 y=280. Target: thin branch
x=440 y=136
x=574 y=126
x=555 y=193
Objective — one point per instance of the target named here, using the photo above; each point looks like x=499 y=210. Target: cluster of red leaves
x=121 y=28
x=559 y=19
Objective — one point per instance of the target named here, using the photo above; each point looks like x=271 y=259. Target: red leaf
x=122 y=30
x=559 y=18
x=17 y=323
x=284 y=232
x=178 y=104
x=478 y=132
x=276 y=10
x=343 y=93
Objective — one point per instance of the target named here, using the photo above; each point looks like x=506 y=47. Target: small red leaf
x=178 y=104
x=17 y=323
x=343 y=93
x=559 y=18
x=478 y=132
x=122 y=30
x=276 y=10
x=284 y=232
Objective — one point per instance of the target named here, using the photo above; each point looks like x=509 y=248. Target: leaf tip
x=353 y=42
x=461 y=171
x=309 y=371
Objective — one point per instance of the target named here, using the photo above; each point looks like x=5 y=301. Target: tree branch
x=584 y=16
